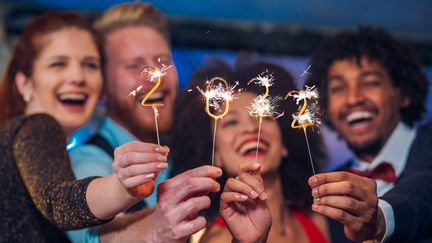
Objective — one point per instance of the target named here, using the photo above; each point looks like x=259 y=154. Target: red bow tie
x=383 y=171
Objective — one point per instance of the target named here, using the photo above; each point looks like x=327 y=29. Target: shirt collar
x=395 y=151
x=115 y=134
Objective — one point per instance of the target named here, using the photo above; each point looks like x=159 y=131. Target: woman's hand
x=137 y=164
x=243 y=205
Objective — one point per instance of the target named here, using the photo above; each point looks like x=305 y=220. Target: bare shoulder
x=321 y=222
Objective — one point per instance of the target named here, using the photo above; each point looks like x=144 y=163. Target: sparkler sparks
x=306 y=71
x=215 y=95
x=263 y=105
x=307 y=115
x=155 y=73
x=218 y=94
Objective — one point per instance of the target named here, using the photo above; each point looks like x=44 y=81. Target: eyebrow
x=91 y=58
x=232 y=112
x=362 y=75
x=369 y=73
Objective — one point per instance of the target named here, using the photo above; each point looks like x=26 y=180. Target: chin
x=371 y=146
x=72 y=122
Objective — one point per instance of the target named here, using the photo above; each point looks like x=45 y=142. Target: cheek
x=96 y=84
x=44 y=94
x=222 y=140
x=333 y=108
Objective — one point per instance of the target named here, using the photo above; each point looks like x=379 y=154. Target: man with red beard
x=373 y=91
x=135 y=36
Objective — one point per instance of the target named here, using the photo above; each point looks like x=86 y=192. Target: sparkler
x=215 y=95
x=307 y=115
x=155 y=75
x=263 y=105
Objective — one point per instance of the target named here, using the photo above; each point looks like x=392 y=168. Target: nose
x=354 y=96
x=77 y=75
x=251 y=125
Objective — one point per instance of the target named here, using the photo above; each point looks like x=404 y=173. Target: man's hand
x=180 y=199
x=350 y=199
x=175 y=217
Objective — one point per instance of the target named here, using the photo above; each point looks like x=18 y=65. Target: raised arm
x=39 y=151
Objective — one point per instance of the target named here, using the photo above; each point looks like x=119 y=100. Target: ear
x=404 y=101
x=23 y=84
x=284 y=152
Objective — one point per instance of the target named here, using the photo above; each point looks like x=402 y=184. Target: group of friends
x=120 y=186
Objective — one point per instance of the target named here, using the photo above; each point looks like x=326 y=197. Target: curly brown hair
x=378 y=45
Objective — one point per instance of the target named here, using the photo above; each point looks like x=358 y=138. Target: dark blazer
x=39 y=195
x=411 y=198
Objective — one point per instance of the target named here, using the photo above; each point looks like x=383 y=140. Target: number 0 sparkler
x=217 y=92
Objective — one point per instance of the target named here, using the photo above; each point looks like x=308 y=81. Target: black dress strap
x=102 y=143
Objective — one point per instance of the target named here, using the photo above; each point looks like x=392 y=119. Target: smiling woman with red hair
x=50 y=89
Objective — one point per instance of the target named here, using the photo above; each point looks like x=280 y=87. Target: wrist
x=123 y=190
x=380 y=225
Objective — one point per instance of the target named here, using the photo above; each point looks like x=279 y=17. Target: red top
x=312 y=231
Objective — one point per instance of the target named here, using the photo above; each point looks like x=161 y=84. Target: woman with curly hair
x=278 y=183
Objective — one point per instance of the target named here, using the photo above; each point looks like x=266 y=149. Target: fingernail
x=162 y=165
x=257 y=166
x=150 y=176
x=253 y=194
x=315 y=181
x=314 y=206
x=218 y=172
x=162 y=158
x=242 y=197
x=315 y=192
x=263 y=196
x=316 y=200
x=159 y=149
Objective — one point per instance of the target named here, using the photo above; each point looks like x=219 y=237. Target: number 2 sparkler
x=263 y=106
x=155 y=75
x=307 y=115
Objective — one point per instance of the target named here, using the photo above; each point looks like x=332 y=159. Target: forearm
x=136 y=227
x=107 y=197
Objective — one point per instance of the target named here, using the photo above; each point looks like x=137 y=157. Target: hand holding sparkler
x=214 y=95
x=307 y=115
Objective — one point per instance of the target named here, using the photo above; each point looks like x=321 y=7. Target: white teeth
x=73 y=96
x=358 y=115
x=251 y=145
x=156 y=96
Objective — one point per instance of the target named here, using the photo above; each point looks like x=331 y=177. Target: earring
x=27 y=98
